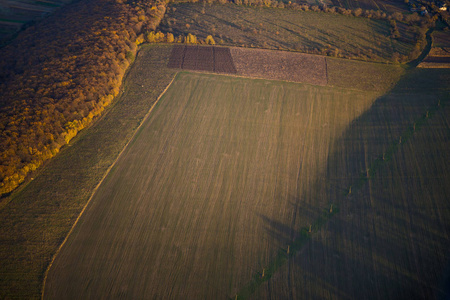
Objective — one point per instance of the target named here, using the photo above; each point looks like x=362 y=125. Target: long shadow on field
x=388 y=176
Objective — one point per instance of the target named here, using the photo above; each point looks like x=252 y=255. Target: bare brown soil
x=198 y=58
x=176 y=57
x=280 y=65
x=255 y=63
x=438 y=58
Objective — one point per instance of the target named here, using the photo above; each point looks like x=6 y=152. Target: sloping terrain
x=387 y=239
x=183 y=212
x=307 y=32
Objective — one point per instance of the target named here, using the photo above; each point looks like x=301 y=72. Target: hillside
x=52 y=208
x=343 y=170
x=309 y=31
x=227 y=172
x=60 y=74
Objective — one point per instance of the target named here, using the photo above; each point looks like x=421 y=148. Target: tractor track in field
x=298 y=243
x=58 y=250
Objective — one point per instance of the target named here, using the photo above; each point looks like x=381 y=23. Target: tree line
x=61 y=73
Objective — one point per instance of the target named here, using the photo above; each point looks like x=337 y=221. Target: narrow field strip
x=96 y=188
x=306 y=232
x=252 y=63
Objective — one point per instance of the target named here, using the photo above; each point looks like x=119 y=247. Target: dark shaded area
x=438 y=59
x=198 y=58
x=390 y=238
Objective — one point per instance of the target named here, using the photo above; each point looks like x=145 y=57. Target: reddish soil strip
x=205 y=59
x=177 y=57
x=190 y=58
x=224 y=61
x=202 y=58
x=280 y=65
x=258 y=63
x=436 y=61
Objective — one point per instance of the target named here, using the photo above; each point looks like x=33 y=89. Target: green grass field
x=227 y=173
x=310 y=32
x=187 y=210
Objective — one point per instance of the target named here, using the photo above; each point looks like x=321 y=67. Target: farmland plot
x=391 y=236
x=195 y=58
x=439 y=56
x=281 y=65
x=308 y=32
x=190 y=208
x=255 y=63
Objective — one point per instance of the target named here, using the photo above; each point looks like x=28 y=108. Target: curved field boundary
x=99 y=184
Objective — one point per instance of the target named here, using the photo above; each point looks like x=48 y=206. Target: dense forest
x=58 y=75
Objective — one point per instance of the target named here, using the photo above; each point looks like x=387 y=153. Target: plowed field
x=281 y=65
x=193 y=207
x=210 y=59
x=255 y=63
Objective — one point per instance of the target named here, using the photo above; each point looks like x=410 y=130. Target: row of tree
x=160 y=37
x=61 y=73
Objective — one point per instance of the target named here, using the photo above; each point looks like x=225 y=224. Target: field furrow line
x=307 y=232
x=98 y=185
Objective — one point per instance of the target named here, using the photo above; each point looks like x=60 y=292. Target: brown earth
x=255 y=63
x=198 y=58
x=280 y=65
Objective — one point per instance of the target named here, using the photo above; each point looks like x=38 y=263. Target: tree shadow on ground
x=388 y=177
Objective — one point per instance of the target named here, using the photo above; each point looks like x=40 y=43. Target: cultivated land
x=296 y=67
x=227 y=172
x=254 y=63
x=188 y=211
x=439 y=56
x=310 y=32
x=382 y=243
x=36 y=218
x=209 y=59
x=390 y=238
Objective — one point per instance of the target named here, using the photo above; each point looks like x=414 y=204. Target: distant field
x=384 y=5
x=309 y=32
x=189 y=210
x=439 y=56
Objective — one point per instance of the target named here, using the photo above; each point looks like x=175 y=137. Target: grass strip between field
x=101 y=181
x=306 y=232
